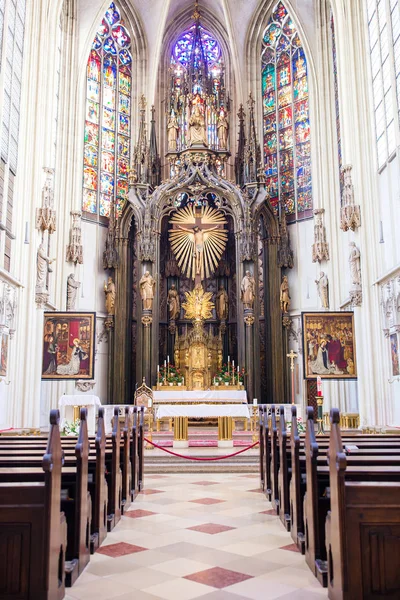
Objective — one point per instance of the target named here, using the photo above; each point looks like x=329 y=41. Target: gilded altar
x=199 y=353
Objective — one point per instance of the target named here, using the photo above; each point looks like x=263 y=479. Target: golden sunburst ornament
x=198 y=305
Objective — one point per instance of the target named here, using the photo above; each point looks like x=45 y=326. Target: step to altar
x=158 y=461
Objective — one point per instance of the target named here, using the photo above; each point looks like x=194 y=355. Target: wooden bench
x=362 y=531
x=33 y=530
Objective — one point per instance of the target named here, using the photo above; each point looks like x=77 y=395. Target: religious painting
x=4 y=355
x=329 y=345
x=394 y=352
x=68 y=345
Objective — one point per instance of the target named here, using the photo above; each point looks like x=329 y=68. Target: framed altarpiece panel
x=68 y=345
x=329 y=345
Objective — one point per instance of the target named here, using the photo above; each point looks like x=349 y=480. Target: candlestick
x=233 y=365
x=319 y=386
x=183 y=381
x=238 y=369
x=168 y=359
x=165 y=363
x=254 y=400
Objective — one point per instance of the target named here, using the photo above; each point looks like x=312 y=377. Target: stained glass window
x=384 y=41
x=184 y=47
x=108 y=117
x=337 y=108
x=287 y=146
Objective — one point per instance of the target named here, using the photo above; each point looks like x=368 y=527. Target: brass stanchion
x=225 y=430
x=181 y=432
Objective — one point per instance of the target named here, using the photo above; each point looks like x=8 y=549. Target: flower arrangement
x=301 y=428
x=170 y=374
x=229 y=376
x=72 y=427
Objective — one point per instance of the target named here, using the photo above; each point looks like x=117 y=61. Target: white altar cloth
x=68 y=401
x=223 y=396
x=203 y=411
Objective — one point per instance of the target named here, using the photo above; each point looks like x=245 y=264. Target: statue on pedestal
x=197 y=129
x=222 y=131
x=72 y=291
x=284 y=296
x=173 y=303
x=42 y=268
x=322 y=287
x=248 y=290
x=221 y=304
x=172 y=129
x=109 y=291
x=146 y=286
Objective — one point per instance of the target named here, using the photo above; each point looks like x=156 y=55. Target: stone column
x=249 y=351
x=147 y=320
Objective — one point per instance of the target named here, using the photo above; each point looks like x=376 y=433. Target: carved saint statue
x=322 y=287
x=284 y=296
x=221 y=304
x=248 y=290
x=42 y=267
x=355 y=264
x=222 y=131
x=72 y=291
x=172 y=129
x=197 y=128
x=173 y=303
x=109 y=291
x=146 y=286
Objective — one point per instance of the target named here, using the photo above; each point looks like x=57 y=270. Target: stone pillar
x=249 y=351
x=147 y=320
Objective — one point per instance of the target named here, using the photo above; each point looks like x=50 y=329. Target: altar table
x=181 y=413
x=69 y=409
x=200 y=396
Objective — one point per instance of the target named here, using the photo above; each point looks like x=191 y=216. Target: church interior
x=199 y=217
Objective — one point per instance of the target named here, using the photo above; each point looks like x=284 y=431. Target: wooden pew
x=317 y=497
x=33 y=531
x=99 y=488
x=261 y=438
x=140 y=448
x=297 y=487
x=283 y=472
x=362 y=531
x=134 y=454
x=274 y=496
x=115 y=476
x=267 y=458
x=126 y=464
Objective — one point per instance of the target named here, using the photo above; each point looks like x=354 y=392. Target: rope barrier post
x=200 y=458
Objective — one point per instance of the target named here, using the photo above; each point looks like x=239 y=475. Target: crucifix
x=292 y=355
x=198 y=240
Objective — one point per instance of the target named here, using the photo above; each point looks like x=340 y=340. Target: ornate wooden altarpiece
x=197 y=229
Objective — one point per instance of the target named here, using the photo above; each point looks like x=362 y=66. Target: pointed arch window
x=286 y=120
x=108 y=117
x=384 y=43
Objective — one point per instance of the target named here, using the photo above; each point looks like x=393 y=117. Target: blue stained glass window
x=107 y=123
x=287 y=146
x=183 y=47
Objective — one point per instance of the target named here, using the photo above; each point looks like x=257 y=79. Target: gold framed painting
x=68 y=345
x=329 y=348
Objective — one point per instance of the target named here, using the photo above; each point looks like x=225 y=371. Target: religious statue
x=173 y=303
x=146 y=286
x=222 y=131
x=322 y=287
x=355 y=264
x=199 y=247
x=172 y=129
x=197 y=128
x=198 y=305
x=42 y=267
x=72 y=291
x=248 y=290
x=284 y=296
x=109 y=290
x=221 y=304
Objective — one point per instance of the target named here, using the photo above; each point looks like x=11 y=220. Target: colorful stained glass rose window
x=107 y=117
x=287 y=148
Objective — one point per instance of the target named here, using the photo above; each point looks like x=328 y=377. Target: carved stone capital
x=171 y=327
x=286 y=321
x=109 y=322
x=249 y=320
x=356 y=296
x=84 y=386
x=41 y=298
x=147 y=320
x=350 y=217
x=320 y=251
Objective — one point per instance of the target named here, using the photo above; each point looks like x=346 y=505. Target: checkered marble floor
x=186 y=536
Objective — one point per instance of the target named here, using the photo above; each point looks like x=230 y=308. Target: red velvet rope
x=197 y=457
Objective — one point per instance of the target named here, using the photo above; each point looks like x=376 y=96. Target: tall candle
x=183 y=381
x=165 y=363
x=319 y=386
x=254 y=400
x=168 y=359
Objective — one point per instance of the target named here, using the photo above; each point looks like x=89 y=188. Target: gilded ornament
x=198 y=305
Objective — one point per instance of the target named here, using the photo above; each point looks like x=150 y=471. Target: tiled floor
x=208 y=537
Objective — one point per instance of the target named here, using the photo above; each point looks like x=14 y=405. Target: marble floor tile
x=178 y=543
